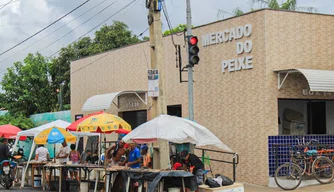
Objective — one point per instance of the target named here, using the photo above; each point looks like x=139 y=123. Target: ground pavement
x=313 y=188
x=248 y=188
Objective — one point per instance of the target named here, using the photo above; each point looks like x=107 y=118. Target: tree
x=113 y=36
x=179 y=29
x=19 y=121
x=290 y=5
x=28 y=87
x=107 y=38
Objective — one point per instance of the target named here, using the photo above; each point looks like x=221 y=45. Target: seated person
x=192 y=163
x=85 y=157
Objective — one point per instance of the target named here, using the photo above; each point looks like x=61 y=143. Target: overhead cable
x=97 y=25
x=53 y=31
x=78 y=26
x=44 y=28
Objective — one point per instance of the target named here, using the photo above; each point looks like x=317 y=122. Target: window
x=301 y=117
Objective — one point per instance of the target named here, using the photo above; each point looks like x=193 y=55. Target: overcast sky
x=22 y=18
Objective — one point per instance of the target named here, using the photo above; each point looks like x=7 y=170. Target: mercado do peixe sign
x=234 y=34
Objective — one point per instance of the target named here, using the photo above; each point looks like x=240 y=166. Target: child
x=75 y=158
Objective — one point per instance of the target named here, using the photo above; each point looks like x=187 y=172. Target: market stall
x=33 y=133
x=174 y=129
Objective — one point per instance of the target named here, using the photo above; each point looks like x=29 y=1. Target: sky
x=22 y=18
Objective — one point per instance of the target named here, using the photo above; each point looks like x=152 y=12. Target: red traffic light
x=193 y=40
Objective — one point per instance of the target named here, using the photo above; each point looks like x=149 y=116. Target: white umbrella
x=174 y=129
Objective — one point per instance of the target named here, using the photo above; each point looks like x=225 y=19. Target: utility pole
x=158 y=104
x=190 y=74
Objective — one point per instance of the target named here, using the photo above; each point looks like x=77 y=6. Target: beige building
x=261 y=75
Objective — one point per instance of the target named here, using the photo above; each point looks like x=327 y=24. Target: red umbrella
x=10 y=131
x=73 y=126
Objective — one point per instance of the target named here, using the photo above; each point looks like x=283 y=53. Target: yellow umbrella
x=104 y=123
x=54 y=135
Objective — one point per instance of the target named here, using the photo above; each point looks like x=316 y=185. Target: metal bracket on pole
x=286 y=74
x=181 y=69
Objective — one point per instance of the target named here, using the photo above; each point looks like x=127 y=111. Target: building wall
x=239 y=107
x=295 y=40
x=229 y=103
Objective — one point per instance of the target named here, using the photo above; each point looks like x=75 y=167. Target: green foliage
x=146 y=38
x=180 y=28
x=237 y=11
x=290 y=5
x=107 y=38
x=31 y=86
x=19 y=121
x=113 y=36
x=27 y=87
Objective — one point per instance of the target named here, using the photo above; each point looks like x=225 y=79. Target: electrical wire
x=164 y=8
x=6 y=4
x=98 y=25
x=45 y=27
x=104 y=57
x=53 y=31
x=78 y=26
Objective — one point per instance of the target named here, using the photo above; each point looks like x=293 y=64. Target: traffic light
x=193 y=50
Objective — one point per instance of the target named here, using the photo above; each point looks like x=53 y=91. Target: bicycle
x=289 y=175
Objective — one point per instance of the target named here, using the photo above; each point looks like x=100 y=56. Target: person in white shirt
x=63 y=157
x=42 y=154
x=63 y=153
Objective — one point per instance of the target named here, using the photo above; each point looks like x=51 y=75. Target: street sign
x=153 y=83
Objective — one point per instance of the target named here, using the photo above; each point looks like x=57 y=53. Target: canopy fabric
x=318 y=80
x=35 y=131
x=103 y=101
x=74 y=125
x=174 y=129
x=54 y=135
x=103 y=123
x=9 y=131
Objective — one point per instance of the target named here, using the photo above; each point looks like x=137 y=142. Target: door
x=317 y=111
x=135 y=118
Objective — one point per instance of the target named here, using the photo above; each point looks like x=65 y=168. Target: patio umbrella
x=174 y=129
x=54 y=135
x=9 y=131
x=104 y=123
x=74 y=125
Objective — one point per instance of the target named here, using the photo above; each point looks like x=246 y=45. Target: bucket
x=84 y=186
x=37 y=181
x=174 y=189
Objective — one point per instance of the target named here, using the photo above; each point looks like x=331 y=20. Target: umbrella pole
x=54 y=153
x=99 y=155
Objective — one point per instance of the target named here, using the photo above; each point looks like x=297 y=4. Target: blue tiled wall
x=290 y=140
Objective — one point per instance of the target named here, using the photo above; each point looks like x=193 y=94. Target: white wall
x=330 y=117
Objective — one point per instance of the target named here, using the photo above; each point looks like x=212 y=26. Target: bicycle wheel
x=322 y=169
x=288 y=176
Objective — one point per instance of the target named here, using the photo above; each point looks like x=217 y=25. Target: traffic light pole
x=190 y=74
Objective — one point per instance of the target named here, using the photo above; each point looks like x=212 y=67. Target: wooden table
x=109 y=174
x=53 y=166
x=33 y=165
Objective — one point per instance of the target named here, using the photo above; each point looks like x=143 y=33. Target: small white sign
x=307 y=92
x=153 y=83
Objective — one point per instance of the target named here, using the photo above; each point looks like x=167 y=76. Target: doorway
x=135 y=118
x=317 y=120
